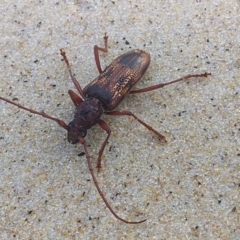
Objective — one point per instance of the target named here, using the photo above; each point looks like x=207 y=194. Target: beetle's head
x=75 y=131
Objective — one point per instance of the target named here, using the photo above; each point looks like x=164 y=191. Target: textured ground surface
x=188 y=188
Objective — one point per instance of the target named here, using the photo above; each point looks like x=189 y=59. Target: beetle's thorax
x=87 y=114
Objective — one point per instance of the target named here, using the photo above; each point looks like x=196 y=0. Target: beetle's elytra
x=125 y=71
x=106 y=92
x=102 y=96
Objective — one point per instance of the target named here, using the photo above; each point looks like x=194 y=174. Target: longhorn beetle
x=102 y=96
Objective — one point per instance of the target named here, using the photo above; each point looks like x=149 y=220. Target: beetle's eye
x=83 y=133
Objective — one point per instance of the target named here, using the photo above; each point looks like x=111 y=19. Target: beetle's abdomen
x=115 y=82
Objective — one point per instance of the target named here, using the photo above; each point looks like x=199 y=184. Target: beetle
x=102 y=96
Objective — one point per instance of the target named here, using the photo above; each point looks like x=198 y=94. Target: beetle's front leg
x=74 y=80
x=75 y=98
x=128 y=113
x=105 y=127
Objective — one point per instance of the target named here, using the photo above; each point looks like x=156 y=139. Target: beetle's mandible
x=102 y=96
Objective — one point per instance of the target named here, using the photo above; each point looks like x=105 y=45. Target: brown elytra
x=102 y=96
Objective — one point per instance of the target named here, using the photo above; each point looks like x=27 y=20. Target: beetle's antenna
x=82 y=141
x=43 y=114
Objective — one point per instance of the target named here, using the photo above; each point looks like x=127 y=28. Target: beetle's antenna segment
x=43 y=114
x=82 y=141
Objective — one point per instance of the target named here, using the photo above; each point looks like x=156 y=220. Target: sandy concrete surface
x=187 y=188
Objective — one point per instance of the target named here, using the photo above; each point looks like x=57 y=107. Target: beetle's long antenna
x=43 y=114
x=82 y=141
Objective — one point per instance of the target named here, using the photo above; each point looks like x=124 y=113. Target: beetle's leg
x=154 y=87
x=75 y=98
x=75 y=82
x=128 y=113
x=82 y=141
x=43 y=114
x=96 y=53
x=105 y=127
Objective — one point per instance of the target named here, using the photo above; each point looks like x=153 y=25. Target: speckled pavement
x=187 y=188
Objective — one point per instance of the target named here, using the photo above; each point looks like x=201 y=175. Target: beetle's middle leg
x=161 y=85
x=96 y=52
x=105 y=127
x=82 y=141
x=128 y=113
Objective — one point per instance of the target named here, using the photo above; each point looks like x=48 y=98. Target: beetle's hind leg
x=128 y=113
x=96 y=52
x=161 y=85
